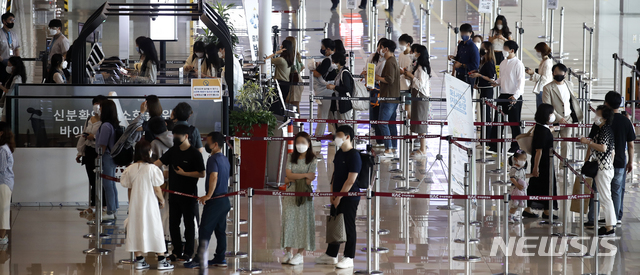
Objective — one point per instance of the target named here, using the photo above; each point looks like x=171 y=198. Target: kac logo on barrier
x=553 y=246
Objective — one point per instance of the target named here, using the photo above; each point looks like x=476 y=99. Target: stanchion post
x=325 y=30
x=428 y=41
x=615 y=74
x=97 y=234
x=467 y=217
x=250 y=268
x=450 y=206
x=561 y=55
x=634 y=79
x=505 y=236
x=521 y=34
x=236 y=212
x=483 y=114
x=311 y=104
x=369 y=269
x=551 y=186
x=592 y=75
x=551 y=17
x=449 y=27
x=584 y=48
x=421 y=13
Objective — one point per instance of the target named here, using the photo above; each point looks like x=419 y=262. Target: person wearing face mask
x=212 y=65
x=511 y=82
x=518 y=176
x=9 y=43
x=500 y=34
x=295 y=92
x=197 y=57
x=344 y=85
x=238 y=77
x=185 y=168
x=144 y=229
x=214 y=213
x=283 y=63
x=477 y=40
x=601 y=145
x=420 y=87
x=324 y=73
x=544 y=74
x=467 y=58
x=485 y=75
x=389 y=87
x=148 y=68
x=298 y=223
x=56 y=75
x=379 y=61
x=60 y=44
x=405 y=62
x=87 y=150
x=17 y=75
x=566 y=107
x=540 y=171
x=347 y=165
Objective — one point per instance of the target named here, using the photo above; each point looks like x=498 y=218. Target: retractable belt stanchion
x=97 y=234
x=561 y=46
x=499 y=145
x=369 y=269
x=236 y=214
x=551 y=186
x=483 y=144
x=551 y=17
x=467 y=212
x=633 y=93
x=596 y=264
x=565 y=206
x=250 y=268
x=505 y=236
x=615 y=73
x=582 y=232
x=449 y=27
x=401 y=165
x=376 y=230
x=449 y=205
x=521 y=34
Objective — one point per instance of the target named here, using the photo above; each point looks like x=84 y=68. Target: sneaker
x=516 y=218
x=4 y=240
x=362 y=7
x=546 y=217
x=297 y=260
x=602 y=221
x=603 y=232
x=287 y=258
x=346 y=262
x=164 y=265
x=526 y=214
x=326 y=259
x=216 y=263
x=142 y=264
x=619 y=223
x=191 y=264
x=108 y=217
x=588 y=225
x=511 y=221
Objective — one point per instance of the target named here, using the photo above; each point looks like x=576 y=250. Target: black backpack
x=366 y=171
x=125 y=157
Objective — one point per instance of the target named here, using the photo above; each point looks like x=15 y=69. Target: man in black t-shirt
x=186 y=166
x=623 y=137
x=347 y=165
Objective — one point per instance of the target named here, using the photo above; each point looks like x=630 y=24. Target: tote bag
x=525 y=141
x=336 y=232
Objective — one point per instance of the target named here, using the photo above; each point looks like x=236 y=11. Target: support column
x=264 y=27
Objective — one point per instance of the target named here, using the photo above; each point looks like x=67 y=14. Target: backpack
x=192 y=139
x=125 y=156
x=360 y=91
x=366 y=171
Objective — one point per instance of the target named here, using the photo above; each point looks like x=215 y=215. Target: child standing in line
x=517 y=175
x=7 y=146
x=144 y=227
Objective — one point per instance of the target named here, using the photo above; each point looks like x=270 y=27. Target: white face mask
x=199 y=55
x=96 y=109
x=520 y=163
x=598 y=121
x=539 y=54
x=302 y=148
x=402 y=48
x=53 y=31
x=552 y=118
x=338 y=141
x=412 y=56
x=9 y=69
x=478 y=45
x=499 y=27
x=64 y=64
x=333 y=67
x=220 y=55
x=381 y=52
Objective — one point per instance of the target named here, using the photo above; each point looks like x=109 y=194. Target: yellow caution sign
x=206 y=89
x=371 y=75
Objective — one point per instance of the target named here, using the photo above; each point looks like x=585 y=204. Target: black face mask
x=482 y=52
x=208 y=148
x=177 y=142
x=9 y=25
x=558 y=77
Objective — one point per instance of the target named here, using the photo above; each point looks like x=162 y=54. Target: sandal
x=87 y=211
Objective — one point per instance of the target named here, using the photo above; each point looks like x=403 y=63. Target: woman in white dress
x=144 y=226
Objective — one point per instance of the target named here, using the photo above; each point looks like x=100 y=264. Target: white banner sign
x=460 y=118
x=351 y=4
x=552 y=4
x=251 y=14
x=485 y=6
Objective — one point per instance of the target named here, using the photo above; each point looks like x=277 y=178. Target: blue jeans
x=388 y=112
x=214 y=220
x=108 y=186
x=617 y=190
x=538 y=99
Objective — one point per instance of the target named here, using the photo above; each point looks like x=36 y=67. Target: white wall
x=45 y=176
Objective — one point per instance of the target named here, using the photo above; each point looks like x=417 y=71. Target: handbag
x=336 y=232
x=590 y=169
x=525 y=141
x=575 y=204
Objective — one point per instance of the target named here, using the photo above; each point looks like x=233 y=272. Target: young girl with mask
x=298 y=222
x=518 y=175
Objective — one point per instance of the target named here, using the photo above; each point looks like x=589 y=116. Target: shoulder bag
x=336 y=232
x=525 y=141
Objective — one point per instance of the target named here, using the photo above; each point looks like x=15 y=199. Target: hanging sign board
x=251 y=15
x=206 y=89
x=351 y=4
x=485 y=6
x=552 y=4
x=371 y=75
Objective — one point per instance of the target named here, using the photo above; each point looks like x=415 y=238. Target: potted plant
x=253 y=118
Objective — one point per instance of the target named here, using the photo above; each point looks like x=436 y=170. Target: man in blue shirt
x=467 y=59
x=214 y=213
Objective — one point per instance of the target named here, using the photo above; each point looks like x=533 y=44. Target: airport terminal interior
x=439 y=211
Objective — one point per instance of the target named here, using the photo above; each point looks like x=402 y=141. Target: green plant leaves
x=223 y=11
x=255 y=102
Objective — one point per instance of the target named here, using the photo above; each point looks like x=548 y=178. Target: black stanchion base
x=472 y=259
x=505 y=273
x=380 y=250
x=383 y=232
x=96 y=251
x=474 y=241
x=452 y=207
x=127 y=261
x=406 y=189
x=495 y=172
x=252 y=271
x=398 y=177
x=235 y=254
x=368 y=272
x=486 y=161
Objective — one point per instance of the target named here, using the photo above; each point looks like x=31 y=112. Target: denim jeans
x=617 y=190
x=108 y=186
x=388 y=112
x=214 y=221
x=538 y=99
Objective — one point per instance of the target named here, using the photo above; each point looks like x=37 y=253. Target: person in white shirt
x=544 y=74
x=511 y=82
x=405 y=62
x=559 y=94
x=420 y=87
x=238 y=77
x=60 y=44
